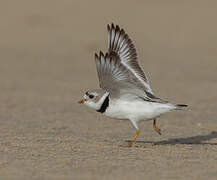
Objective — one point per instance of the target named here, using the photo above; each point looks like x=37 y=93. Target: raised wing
x=118 y=70
x=121 y=45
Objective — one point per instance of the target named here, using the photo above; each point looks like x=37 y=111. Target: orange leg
x=156 y=128
x=134 y=139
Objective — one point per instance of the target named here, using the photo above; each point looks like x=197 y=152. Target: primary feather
x=121 y=46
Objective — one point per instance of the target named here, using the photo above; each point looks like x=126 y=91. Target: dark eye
x=91 y=96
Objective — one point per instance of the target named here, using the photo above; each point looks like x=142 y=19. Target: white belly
x=136 y=109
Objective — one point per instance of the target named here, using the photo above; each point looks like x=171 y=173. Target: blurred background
x=47 y=62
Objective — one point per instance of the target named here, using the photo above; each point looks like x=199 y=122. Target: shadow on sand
x=198 y=140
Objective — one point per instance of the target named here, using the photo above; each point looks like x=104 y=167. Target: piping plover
x=124 y=91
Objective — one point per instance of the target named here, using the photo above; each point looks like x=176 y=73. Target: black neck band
x=104 y=106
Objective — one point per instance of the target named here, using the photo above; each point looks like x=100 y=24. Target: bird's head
x=94 y=98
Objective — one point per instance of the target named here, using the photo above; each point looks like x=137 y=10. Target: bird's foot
x=157 y=129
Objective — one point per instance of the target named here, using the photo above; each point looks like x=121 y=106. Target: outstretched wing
x=119 y=71
x=122 y=46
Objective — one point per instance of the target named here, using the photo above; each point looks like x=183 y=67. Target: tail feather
x=181 y=106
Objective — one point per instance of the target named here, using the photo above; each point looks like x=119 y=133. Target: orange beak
x=82 y=101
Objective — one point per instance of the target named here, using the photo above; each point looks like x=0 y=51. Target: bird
x=124 y=90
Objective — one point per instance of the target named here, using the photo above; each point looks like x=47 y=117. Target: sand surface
x=47 y=62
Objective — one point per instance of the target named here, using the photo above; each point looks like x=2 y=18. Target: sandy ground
x=46 y=64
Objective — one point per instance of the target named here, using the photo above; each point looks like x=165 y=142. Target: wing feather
x=119 y=71
x=113 y=76
x=122 y=45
